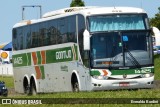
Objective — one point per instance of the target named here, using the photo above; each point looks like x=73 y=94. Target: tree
x=156 y=20
x=77 y=3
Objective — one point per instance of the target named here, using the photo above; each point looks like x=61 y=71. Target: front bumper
x=115 y=84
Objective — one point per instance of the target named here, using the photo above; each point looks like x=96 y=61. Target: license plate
x=124 y=84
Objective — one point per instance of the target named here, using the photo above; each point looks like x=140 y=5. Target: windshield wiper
x=133 y=60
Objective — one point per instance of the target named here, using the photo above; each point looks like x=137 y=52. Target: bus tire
x=33 y=90
x=26 y=90
x=33 y=87
x=76 y=87
x=26 y=86
x=75 y=84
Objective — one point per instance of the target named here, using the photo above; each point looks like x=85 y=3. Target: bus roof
x=86 y=11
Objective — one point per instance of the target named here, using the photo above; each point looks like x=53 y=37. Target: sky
x=11 y=10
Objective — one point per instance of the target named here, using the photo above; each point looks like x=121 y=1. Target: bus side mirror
x=86 y=40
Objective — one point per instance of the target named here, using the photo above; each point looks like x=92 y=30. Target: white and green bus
x=83 y=49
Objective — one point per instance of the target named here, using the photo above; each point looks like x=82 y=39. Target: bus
x=83 y=49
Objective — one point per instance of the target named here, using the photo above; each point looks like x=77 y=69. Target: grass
x=141 y=93
x=87 y=105
x=157 y=67
x=9 y=81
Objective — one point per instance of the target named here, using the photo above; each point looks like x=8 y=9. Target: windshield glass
x=106 y=47
x=121 y=49
x=117 y=22
x=137 y=48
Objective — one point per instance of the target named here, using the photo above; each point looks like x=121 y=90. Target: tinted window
x=46 y=33
x=71 y=34
x=14 y=39
x=27 y=37
x=19 y=40
x=61 y=31
x=43 y=37
x=52 y=32
x=35 y=35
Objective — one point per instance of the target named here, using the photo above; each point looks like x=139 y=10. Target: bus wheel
x=26 y=89
x=33 y=88
x=76 y=87
x=26 y=86
x=75 y=84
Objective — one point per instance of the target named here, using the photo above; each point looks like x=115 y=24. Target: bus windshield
x=117 y=22
x=120 y=40
x=121 y=49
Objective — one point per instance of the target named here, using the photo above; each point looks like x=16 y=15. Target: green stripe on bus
x=20 y=60
x=126 y=71
x=42 y=72
x=133 y=71
x=52 y=56
x=59 y=55
x=95 y=72
x=39 y=57
x=29 y=59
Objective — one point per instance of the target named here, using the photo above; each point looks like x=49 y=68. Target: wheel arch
x=75 y=74
x=26 y=78
x=26 y=82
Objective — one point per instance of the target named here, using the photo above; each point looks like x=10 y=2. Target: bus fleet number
x=18 y=60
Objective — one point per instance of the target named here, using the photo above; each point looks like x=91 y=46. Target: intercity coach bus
x=83 y=49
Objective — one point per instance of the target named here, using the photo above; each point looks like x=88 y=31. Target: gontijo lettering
x=63 y=54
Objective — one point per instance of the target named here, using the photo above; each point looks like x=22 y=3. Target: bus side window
x=26 y=37
x=71 y=34
x=62 y=30
x=43 y=34
x=14 y=38
x=35 y=34
x=51 y=38
x=19 y=39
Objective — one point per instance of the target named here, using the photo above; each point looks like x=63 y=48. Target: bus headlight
x=147 y=75
x=101 y=77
